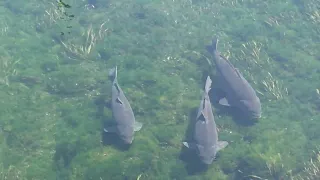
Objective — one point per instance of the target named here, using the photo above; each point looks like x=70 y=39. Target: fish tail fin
x=113 y=73
x=208 y=84
x=213 y=46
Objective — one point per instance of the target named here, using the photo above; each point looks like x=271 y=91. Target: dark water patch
x=11 y=139
x=246 y=30
x=301 y=5
x=178 y=172
x=165 y=135
x=29 y=81
x=69 y=83
x=48 y=67
x=111 y=169
x=104 y=54
x=140 y=15
x=14 y=6
x=9 y=158
x=193 y=164
x=277 y=56
x=249 y=138
x=97 y=4
x=66 y=88
x=93 y=3
x=250 y=166
x=112 y=139
x=23 y=8
x=57 y=38
x=139 y=12
x=311 y=128
x=237 y=115
x=64 y=154
x=151 y=17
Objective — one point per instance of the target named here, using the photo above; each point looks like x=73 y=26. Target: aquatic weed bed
x=54 y=87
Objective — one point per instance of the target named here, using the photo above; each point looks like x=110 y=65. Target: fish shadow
x=108 y=139
x=112 y=139
x=193 y=164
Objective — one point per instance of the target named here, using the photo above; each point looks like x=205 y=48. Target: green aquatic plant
x=90 y=37
x=311 y=169
x=11 y=173
x=4 y=28
x=274 y=88
x=7 y=69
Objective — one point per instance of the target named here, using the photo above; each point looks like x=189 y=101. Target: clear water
x=55 y=93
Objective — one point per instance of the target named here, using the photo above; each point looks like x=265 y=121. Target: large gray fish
x=205 y=135
x=239 y=92
x=122 y=112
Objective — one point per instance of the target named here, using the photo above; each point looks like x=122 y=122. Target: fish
x=125 y=123
x=205 y=137
x=238 y=91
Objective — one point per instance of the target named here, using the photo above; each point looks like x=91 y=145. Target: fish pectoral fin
x=189 y=145
x=221 y=145
x=224 y=102
x=137 y=126
x=186 y=144
x=118 y=100
x=110 y=129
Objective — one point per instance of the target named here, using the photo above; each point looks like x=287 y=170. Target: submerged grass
x=54 y=63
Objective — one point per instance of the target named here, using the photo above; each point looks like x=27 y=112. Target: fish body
x=205 y=135
x=239 y=92
x=125 y=123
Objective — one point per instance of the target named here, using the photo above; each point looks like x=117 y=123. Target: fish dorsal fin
x=117 y=87
x=235 y=69
x=202 y=116
x=224 y=58
x=203 y=105
x=238 y=72
x=228 y=62
x=118 y=100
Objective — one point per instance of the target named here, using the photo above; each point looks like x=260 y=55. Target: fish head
x=126 y=139
x=126 y=134
x=206 y=154
x=252 y=108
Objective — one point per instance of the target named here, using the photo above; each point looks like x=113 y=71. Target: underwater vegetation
x=54 y=63
x=312 y=168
